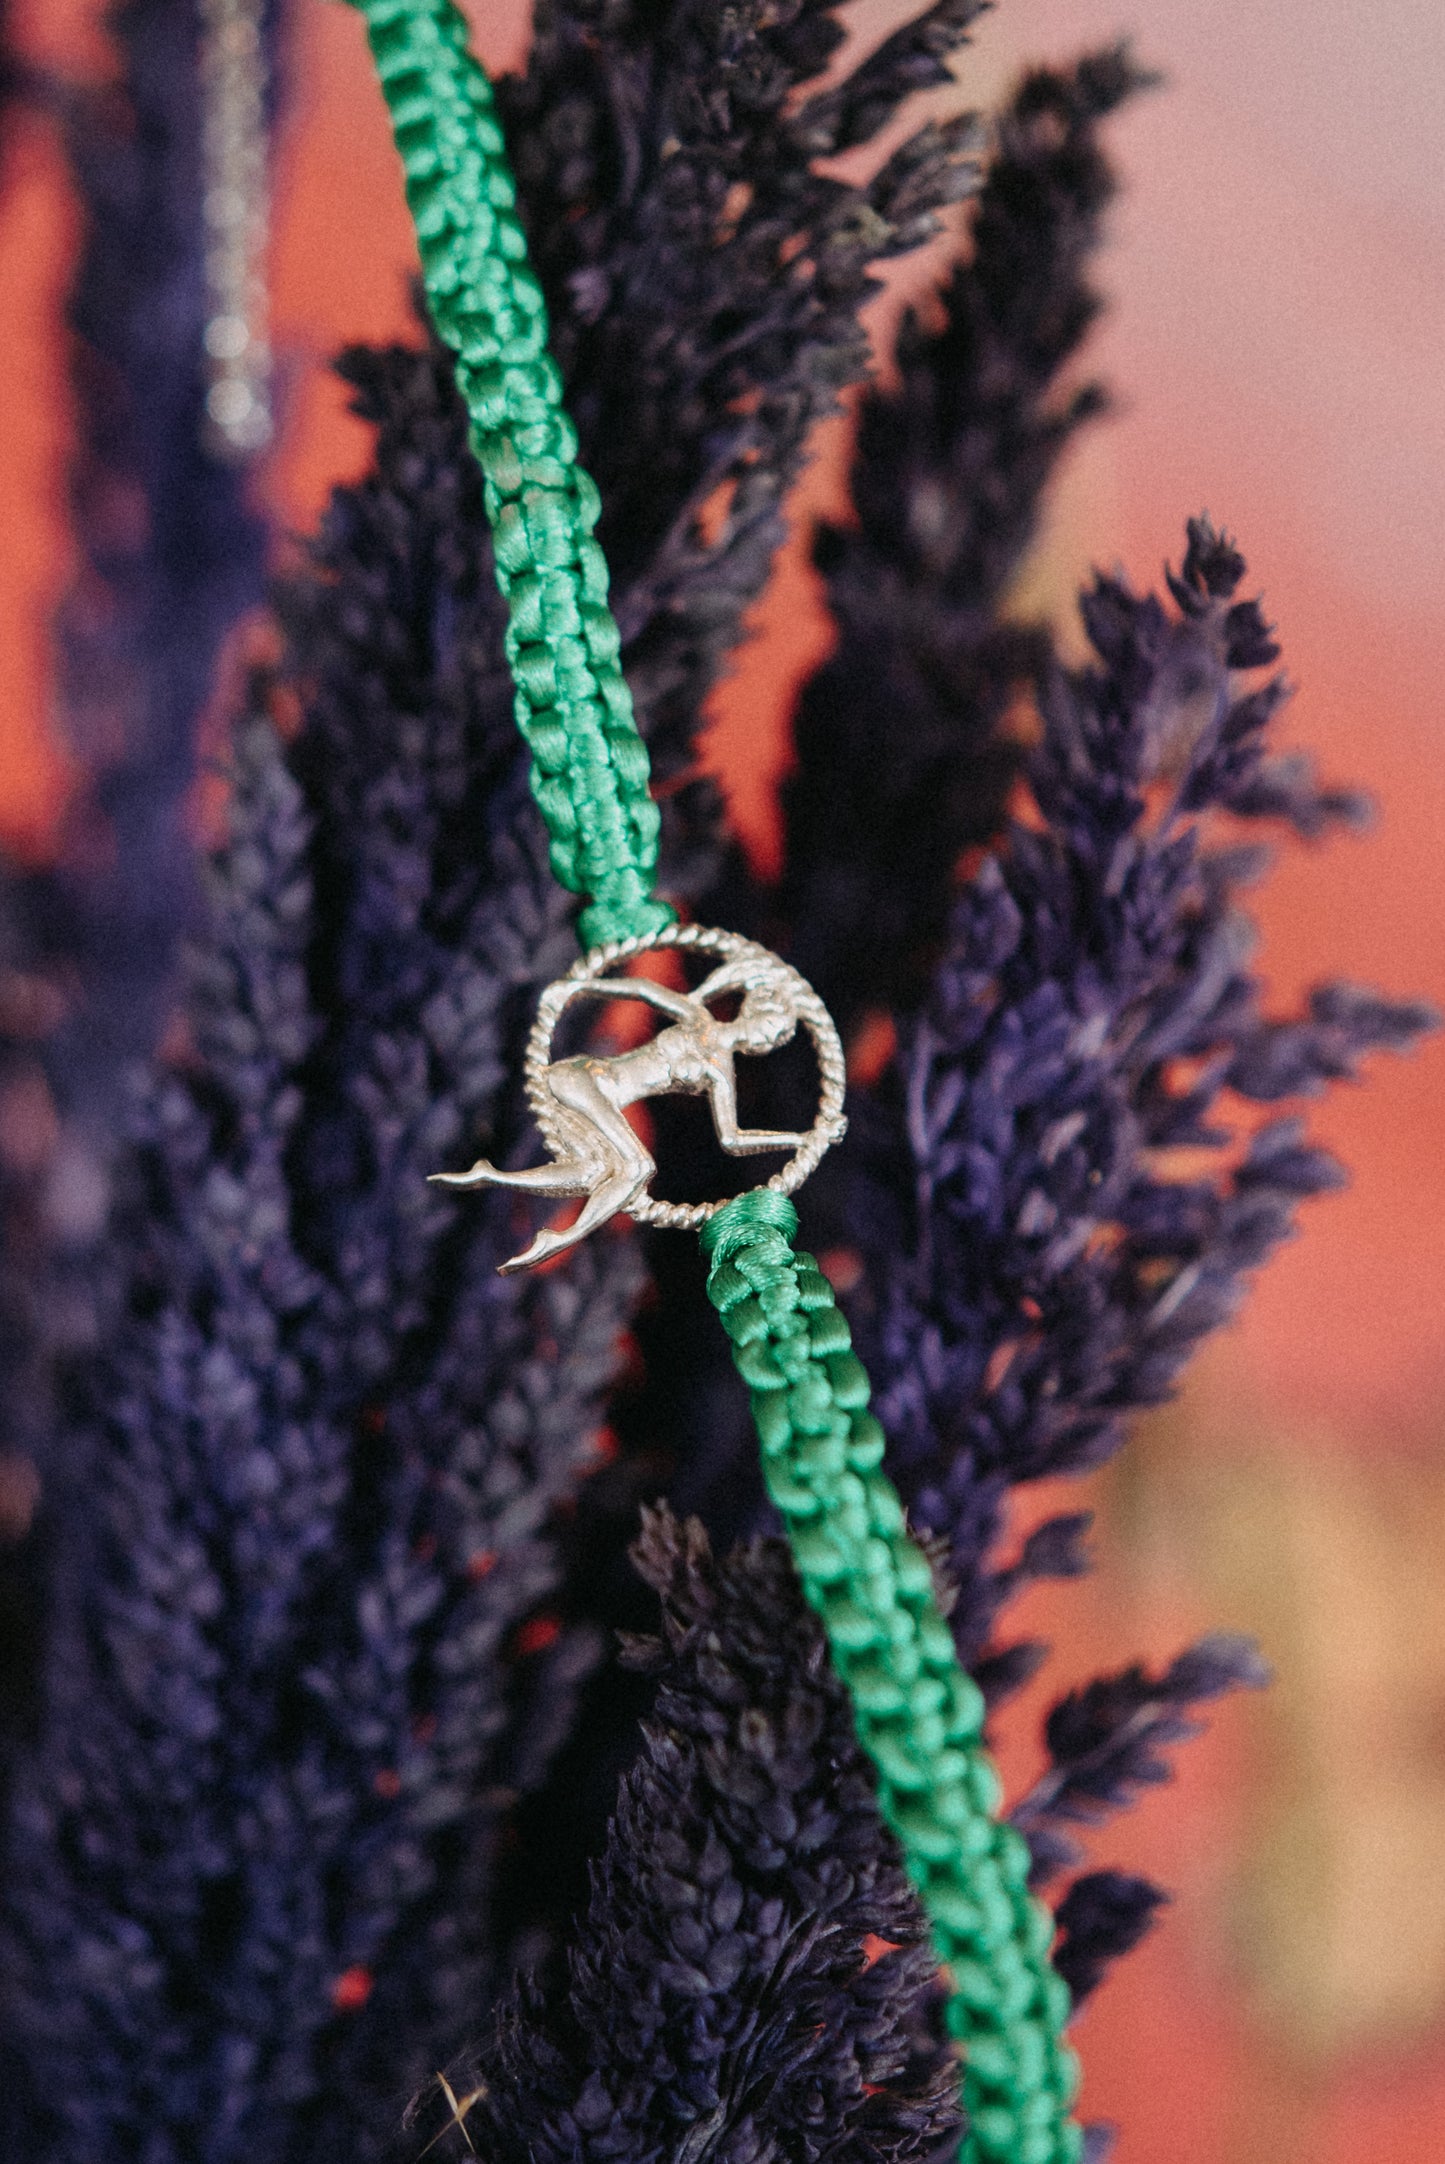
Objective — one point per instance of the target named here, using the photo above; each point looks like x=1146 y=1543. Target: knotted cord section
x=589 y=765
x=919 y=1714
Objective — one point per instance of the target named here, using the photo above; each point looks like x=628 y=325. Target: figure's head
x=766 y=1018
x=767 y=1013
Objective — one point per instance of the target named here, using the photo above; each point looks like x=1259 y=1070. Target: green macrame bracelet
x=919 y=1715
x=589 y=765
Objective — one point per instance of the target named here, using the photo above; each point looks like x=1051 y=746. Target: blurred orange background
x=1277 y=321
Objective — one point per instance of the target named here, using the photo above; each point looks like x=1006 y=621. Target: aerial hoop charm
x=580 y=1103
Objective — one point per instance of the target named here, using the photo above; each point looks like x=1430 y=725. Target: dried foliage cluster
x=323 y=1724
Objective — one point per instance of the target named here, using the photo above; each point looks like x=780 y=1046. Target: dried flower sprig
x=1043 y=1258
x=169 y=554
x=704 y=280
x=303 y=1506
x=719 y=1996
x=1108 y=1742
x=903 y=756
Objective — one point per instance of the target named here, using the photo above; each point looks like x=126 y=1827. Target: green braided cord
x=589 y=765
x=919 y=1714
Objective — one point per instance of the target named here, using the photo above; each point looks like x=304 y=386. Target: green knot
x=743 y=1221
x=640 y=915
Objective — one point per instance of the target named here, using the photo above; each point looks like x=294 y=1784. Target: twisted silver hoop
x=767 y=968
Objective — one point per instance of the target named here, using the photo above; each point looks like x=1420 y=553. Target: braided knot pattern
x=589 y=764
x=919 y=1714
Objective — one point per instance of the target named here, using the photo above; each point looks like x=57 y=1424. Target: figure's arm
x=741 y=1141
x=676 y=1004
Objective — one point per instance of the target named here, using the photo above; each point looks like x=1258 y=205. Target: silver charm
x=579 y=1103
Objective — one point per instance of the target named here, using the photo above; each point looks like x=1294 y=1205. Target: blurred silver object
x=236 y=213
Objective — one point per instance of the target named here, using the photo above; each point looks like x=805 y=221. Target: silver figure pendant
x=580 y=1103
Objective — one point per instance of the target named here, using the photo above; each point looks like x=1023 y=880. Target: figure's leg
x=747 y=1141
x=617 y=1193
x=741 y=1141
x=575 y=1167
x=620 y=1174
x=567 y=1177
x=577 y=1088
